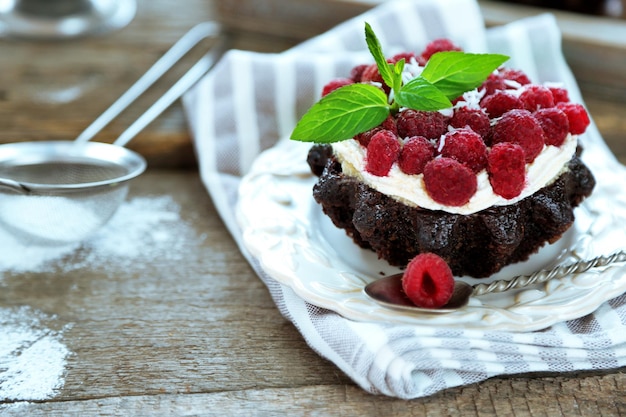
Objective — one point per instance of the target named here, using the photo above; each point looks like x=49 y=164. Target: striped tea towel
x=250 y=100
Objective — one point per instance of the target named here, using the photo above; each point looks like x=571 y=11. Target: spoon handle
x=543 y=276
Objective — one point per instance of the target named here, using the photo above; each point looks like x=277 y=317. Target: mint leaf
x=376 y=50
x=456 y=72
x=420 y=94
x=342 y=114
x=397 y=72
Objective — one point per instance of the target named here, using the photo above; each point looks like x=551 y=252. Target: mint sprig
x=454 y=72
x=356 y=108
x=342 y=114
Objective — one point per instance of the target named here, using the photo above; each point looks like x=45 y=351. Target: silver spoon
x=388 y=291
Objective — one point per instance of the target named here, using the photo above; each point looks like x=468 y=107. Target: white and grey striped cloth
x=250 y=100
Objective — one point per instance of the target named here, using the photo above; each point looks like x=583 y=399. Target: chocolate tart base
x=476 y=245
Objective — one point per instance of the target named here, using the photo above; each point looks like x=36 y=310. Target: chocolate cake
x=481 y=169
x=477 y=245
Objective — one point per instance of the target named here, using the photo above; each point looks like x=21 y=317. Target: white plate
x=298 y=246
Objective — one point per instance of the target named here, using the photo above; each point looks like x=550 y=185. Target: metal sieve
x=59 y=192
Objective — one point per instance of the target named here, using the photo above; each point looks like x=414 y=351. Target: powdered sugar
x=143 y=229
x=48 y=218
x=32 y=355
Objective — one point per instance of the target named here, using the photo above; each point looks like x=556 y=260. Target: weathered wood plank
x=514 y=397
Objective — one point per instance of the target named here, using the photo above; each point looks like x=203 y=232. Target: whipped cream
x=410 y=189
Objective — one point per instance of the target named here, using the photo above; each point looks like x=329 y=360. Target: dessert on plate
x=449 y=153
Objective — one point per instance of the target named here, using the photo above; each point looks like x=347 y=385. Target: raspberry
x=438 y=45
x=537 y=97
x=415 y=154
x=372 y=75
x=506 y=167
x=335 y=84
x=467 y=147
x=430 y=124
x=560 y=95
x=577 y=116
x=555 y=125
x=388 y=124
x=521 y=127
x=493 y=83
x=382 y=151
x=357 y=72
x=475 y=119
x=428 y=281
x=499 y=103
x=449 y=182
x=407 y=56
x=515 y=75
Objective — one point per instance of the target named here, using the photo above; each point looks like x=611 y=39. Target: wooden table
x=187 y=328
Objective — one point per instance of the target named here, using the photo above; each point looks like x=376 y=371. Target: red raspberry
x=357 y=72
x=388 y=124
x=428 y=281
x=407 y=56
x=499 y=103
x=335 y=84
x=438 y=45
x=577 y=116
x=506 y=166
x=430 y=124
x=415 y=154
x=475 y=119
x=537 y=97
x=521 y=127
x=371 y=74
x=555 y=125
x=467 y=147
x=493 y=83
x=560 y=95
x=449 y=182
x=515 y=75
x=382 y=151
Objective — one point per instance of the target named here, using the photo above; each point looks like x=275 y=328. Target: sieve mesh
x=55 y=193
x=58 y=219
x=63 y=172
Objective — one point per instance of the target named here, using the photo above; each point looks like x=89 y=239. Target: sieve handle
x=192 y=76
x=166 y=62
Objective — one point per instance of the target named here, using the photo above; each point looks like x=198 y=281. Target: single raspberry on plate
x=335 y=84
x=475 y=119
x=555 y=125
x=357 y=72
x=428 y=281
x=499 y=103
x=506 y=167
x=388 y=124
x=577 y=116
x=520 y=126
x=438 y=45
x=430 y=124
x=560 y=95
x=465 y=146
x=415 y=154
x=382 y=151
x=515 y=75
x=449 y=182
x=537 y=97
